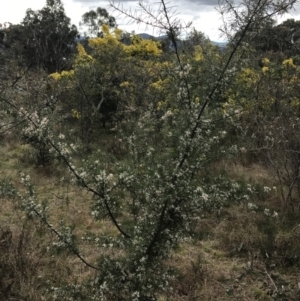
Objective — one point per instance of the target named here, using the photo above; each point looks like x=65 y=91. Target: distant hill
x=147 y=36
x=220 y=44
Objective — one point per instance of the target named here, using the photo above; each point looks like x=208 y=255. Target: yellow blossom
x=198 y=53
x=105 y=29
x=265 y=61
x=82 y=58
x=288 y=63
x=157 y=85
x=76 y=114
x=68 y=74
x=294 y=79
x=125 y=84
x=295 y=102
x=143 y=47
x=55 y=76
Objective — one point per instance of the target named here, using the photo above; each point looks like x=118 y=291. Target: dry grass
x=224 y=260
x=31 y=242
x=229 y=265
x=229 y=262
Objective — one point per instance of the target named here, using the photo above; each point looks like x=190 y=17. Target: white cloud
x=14 y=10
x=205 y=18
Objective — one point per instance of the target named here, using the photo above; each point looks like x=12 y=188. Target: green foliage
x=95 y=19
x=282 y=38
x=45 y=38
x=7 y=189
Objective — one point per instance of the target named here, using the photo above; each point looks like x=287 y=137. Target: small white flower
x=110 y=177
x=61 y=136
x=205 y=196
x=243 y=150
x=143 y=259
x=167 y=114
x=252 y=206
x=83 y=174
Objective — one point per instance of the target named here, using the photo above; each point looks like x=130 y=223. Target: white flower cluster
x=166 y=115
x=65 y=238
x=252 y=207
x=182 y=72
x=267 y=212
x=267 y=189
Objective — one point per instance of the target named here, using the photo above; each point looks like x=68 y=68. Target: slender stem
x=66 y=161
x=70 y=246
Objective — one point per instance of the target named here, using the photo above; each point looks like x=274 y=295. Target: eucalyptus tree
x=94 y=19
x=45 y=38
x=282 y=38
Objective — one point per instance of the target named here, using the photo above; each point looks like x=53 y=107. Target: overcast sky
x=201 y=12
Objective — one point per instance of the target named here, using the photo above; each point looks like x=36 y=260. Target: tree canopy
x=94 y=19
x=45 y=38
x=284 y=37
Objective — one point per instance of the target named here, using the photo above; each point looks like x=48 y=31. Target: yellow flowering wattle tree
x=263 y=104
x=109 y=79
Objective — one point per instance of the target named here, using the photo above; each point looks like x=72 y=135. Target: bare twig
x=269 y=276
